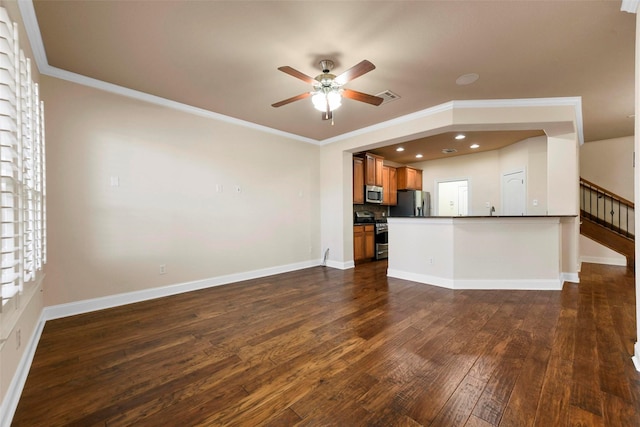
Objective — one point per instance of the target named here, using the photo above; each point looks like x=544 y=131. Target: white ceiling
x=222 y=56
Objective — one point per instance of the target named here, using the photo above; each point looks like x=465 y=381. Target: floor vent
x=388 y=96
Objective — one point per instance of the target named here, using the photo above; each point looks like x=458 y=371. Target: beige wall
x=609 y=164
x=484 y=171
x=176 y=201
x=591 y=251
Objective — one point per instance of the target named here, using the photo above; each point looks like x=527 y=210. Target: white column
x=636 y=176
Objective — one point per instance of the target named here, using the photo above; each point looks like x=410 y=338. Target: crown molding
x=630 y=6
x=393 y=122
x=33 y=33
x=35 y=39
x=570 y=101
x=37 y=46
x=575 y=102
x=141 y=96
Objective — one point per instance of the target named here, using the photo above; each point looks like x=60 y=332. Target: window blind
x=22 y=170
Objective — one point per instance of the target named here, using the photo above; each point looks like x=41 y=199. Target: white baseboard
x=86 y=306
x=604 y=260
x=636 y=356
x=14 y=391
x=341 y=265
x=497 y=284
x=422 y=278
x=569 y=277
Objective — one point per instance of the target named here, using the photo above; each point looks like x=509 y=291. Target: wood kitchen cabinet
x=409 y=178
x=373 y=169
x=364 y=246
x=358 y=181
x=389 y=186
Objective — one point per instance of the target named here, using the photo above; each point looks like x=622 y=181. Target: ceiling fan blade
x=362 y=97
x=355 y=71
x=292 y=99
x=297 y=74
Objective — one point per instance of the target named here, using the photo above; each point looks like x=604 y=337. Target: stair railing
x=607 y=209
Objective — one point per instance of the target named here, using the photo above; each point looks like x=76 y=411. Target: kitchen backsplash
x=378 y=210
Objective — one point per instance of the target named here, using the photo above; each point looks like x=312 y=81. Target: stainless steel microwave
x=373 y=194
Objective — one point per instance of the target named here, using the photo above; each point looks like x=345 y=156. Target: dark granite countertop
x=487 y=216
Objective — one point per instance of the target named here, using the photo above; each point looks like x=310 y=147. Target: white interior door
x=463 y=201
x=453 y=198
x=514 y=193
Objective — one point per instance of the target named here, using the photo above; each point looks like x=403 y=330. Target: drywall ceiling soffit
x=221 y=58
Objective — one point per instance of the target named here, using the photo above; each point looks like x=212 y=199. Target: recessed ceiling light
x=460 y=136
x=474 y=146
x=449 y=150
x=400 y=149
x=467 y=79
x=418 y=156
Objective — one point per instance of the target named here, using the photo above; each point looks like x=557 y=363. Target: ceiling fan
x=328 y=89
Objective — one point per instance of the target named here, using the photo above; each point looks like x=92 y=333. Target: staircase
x=607 y=219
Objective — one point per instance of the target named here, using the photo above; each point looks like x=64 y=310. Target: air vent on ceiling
x=388 y=96
x=449 y=150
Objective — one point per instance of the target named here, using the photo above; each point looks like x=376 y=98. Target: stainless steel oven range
x=382 y=239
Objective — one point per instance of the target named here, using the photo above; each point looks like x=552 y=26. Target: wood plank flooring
x=324 y=347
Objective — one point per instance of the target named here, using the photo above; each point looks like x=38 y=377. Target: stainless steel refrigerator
x=412 y=203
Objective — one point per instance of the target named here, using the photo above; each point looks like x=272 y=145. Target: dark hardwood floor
x=324 y=347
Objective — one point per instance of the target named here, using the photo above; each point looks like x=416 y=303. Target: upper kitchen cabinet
x=358 y=181
x=389 y=186
x=373 y=169
x=409 y=178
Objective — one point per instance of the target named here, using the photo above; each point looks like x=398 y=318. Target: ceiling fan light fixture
x=320 y=99
x=328 y=90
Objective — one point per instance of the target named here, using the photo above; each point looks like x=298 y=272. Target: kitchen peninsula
x=478 y=252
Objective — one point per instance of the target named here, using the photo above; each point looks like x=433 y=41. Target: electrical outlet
x=238 y=189
x=163 y=268
x=430 y=260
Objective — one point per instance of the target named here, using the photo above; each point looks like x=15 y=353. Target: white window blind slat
x=22 y=169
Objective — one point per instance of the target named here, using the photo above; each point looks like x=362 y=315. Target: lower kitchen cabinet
x=364 y=246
